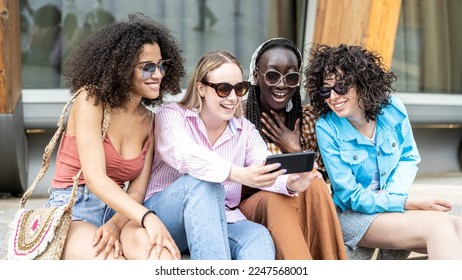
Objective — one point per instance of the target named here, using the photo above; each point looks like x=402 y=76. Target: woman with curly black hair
x=125 y=67
x=366 y=143
x=303 y=226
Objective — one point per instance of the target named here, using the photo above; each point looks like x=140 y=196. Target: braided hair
x=252 y=108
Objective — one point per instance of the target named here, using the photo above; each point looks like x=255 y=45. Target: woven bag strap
x=104 y=128
x=47 y=154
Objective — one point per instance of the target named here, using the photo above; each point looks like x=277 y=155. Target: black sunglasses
x=224 y=89
x=273 y=77
x=149 y=68
x=339 y=88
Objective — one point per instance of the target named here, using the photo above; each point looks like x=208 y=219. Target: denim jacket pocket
x=353 y=157
x=390 y=145
x=390 y=153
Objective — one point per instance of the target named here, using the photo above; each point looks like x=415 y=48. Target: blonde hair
x=208 y=62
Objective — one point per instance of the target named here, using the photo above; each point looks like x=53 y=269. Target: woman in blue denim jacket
x=368 y=148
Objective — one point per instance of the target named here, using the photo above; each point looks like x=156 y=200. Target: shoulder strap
x=47 y=154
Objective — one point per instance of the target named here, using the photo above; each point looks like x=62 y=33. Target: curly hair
x=358 y=67
x=252 y=109
x=104 y=63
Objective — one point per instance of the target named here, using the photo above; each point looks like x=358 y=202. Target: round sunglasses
x=224 y=89
x=340 y=88
x=149 y=68
x=273 y=77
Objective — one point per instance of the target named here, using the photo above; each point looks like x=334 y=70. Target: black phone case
x=294 y=162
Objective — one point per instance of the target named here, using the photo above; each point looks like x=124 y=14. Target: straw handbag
x=41 y=233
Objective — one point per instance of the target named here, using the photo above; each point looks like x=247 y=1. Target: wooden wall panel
x=369 y=23
x=10 y=57
x=383 y=23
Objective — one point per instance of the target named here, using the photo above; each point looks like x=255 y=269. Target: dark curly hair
x=356 y=66
x=252 y=109
x=104 y=63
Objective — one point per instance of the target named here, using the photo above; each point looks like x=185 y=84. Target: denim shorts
x=88 y=207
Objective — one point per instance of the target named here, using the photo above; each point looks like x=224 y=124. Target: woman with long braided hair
x=303 y=226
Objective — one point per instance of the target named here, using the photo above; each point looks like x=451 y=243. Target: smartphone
x=294 y=162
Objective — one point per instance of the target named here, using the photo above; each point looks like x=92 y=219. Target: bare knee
x=441 y=221
x=437 y=226
x=79 y=242
x=134 y=241
x=458 y=222
x=166 y=255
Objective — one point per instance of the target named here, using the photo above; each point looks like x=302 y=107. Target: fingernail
x=284 y=171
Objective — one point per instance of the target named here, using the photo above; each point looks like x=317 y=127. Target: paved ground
x=447 y=186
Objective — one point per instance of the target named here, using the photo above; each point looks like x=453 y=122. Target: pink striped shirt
x=182 y=147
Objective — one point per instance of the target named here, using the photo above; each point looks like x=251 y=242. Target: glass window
x=51 y=28
x=428 y=48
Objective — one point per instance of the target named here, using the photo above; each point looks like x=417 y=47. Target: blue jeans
x=250 y=241
x=194 y=213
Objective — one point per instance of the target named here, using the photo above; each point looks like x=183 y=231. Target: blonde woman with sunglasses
x=205 y=152
x=304 y=227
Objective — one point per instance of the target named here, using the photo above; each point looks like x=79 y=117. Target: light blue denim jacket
x=351 y=160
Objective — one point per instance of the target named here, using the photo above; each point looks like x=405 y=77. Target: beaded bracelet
x=144 y=216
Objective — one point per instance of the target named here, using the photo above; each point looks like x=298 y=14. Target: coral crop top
x=118 y=169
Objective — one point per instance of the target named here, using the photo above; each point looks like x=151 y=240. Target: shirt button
x=355 y=157
x=378 y=153
x=383 y=174
x=394 y=144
